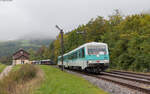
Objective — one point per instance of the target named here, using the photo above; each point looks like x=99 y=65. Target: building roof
x=21 y=49
x=19 y=54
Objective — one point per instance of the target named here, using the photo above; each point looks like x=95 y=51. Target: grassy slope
x=21 y=80
x=2 y=66
x=58 y=82
x=14 y=68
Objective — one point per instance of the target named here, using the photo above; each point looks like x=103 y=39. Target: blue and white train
x=91 y=57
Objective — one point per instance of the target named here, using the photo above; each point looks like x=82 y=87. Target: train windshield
x=95 y=50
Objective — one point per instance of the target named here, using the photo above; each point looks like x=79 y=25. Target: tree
x=127 y=38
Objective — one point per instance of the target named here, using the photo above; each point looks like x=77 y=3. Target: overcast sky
x=21 y=17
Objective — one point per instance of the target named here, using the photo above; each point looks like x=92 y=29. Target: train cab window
x=94 y=50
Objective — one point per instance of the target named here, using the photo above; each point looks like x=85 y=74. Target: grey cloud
x=22 y=17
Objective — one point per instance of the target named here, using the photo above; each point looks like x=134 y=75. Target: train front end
x=97 y=56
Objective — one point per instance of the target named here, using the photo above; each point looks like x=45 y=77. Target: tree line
x=128 y=38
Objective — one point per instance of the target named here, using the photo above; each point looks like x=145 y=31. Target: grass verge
x=58 y=82
x=2 y=67
x=22 y=80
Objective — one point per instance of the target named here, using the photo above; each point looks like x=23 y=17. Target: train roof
x=84 y=45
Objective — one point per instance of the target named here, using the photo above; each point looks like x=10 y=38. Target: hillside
x=9 y=47
x=128 y=39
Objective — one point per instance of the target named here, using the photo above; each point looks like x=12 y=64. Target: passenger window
x=70 y=57
x=83 y=55
x=80 y=53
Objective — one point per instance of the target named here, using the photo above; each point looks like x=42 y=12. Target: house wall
x=16 y=62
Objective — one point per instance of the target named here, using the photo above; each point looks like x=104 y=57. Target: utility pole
x=62 y=46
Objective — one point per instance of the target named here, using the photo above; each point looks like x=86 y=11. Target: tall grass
x=17 y=82
x=2 y=67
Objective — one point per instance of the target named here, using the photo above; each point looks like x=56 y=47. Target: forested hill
x=128 y=39
x=7 y=48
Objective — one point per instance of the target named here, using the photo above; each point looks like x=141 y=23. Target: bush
x=10 y=83
x=25 y=73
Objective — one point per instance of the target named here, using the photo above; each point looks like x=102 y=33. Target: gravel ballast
x=110 y=87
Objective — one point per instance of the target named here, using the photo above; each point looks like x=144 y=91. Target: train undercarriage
x=91 y=68
x=96 y=68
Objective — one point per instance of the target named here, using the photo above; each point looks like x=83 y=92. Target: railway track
x=146 y=75
x=140 y=89
x=144 y=81
x=108 y=77
x=140 y=76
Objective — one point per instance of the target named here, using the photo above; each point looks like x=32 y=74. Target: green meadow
x=58 y=82
x=44 y=79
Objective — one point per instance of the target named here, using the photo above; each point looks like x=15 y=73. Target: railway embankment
x=117 y=84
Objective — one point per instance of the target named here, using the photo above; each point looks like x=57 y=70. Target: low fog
x=37 y=18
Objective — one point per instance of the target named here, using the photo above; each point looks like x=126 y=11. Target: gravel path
x=109 y=87
x=6 y=71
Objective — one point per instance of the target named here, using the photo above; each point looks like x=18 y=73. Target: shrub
x=25 y=73
x=10 y=83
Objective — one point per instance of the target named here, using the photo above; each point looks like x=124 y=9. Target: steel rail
x=132 y=73
x=129 y=75
x=126 y=78
x=147 y=91
x=140 y=89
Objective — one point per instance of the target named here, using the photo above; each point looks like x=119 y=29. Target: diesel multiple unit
x=92 y=57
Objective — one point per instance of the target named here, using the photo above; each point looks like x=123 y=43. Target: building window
x=21 y=52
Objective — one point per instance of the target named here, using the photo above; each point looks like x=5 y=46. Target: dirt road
x=6 y=71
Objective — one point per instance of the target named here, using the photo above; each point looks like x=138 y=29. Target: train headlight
x=106 y=61
x=97 y=55
x=90 y=61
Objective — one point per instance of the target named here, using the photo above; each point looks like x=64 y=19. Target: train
x=90 y=57
x=43 y=62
